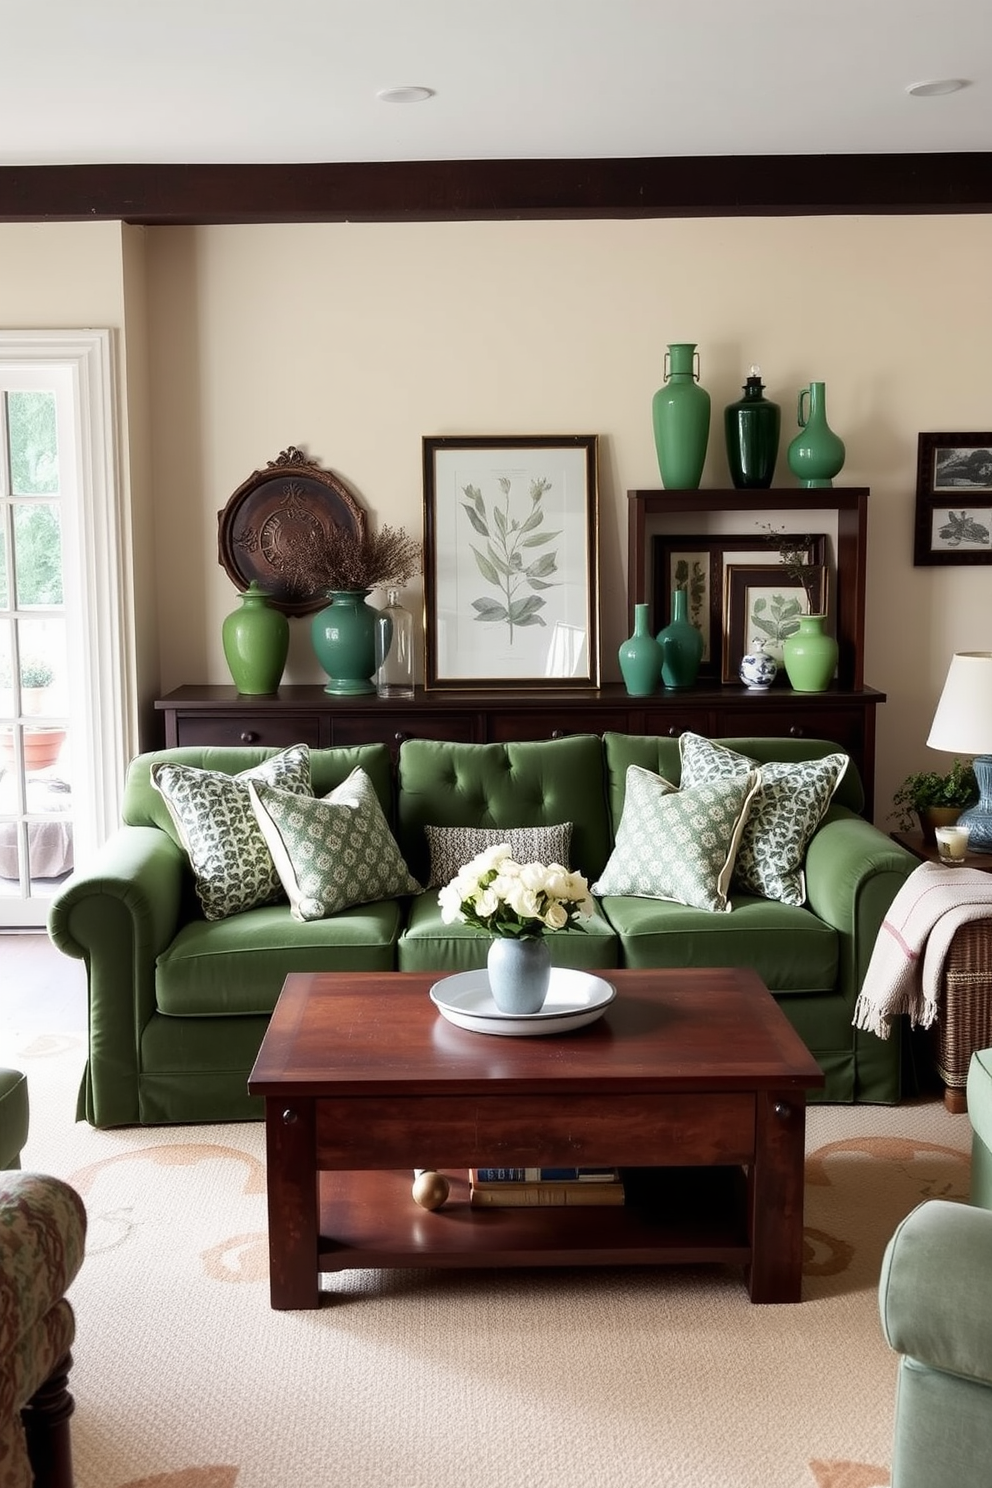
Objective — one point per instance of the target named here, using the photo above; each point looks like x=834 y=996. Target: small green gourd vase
x=810 y=656
x=256 y=643
x=682 y=646
x=640 y=657
x=681 y=414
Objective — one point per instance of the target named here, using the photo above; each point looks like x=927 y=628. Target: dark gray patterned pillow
x=333 y=852
x=212 y=811
x=452 y=847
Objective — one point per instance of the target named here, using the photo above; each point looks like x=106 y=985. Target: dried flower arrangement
x=339 y=559
x=792 y=552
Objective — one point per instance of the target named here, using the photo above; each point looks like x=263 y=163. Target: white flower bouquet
x=515 y=900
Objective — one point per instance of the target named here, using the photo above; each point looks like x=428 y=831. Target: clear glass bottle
x=394 y=649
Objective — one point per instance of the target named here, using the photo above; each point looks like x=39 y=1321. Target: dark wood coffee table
x=696 y=1075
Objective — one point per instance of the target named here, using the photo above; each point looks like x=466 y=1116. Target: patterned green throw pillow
x=332 y=852
x=212 y=813
x=787 y=810
x=677 y=844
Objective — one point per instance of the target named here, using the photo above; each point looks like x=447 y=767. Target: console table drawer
x=394 y=728
x=269 y=730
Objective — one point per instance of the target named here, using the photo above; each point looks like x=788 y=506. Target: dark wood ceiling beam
x=489 y=190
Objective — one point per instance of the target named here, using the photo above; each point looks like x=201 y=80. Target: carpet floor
x=599 y=1378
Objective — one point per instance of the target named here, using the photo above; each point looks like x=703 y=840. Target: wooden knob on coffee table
x=430 y=1189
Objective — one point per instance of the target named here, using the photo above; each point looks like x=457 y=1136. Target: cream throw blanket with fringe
x=905 y=969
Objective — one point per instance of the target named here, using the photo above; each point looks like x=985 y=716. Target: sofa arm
x=42 y=1234
x=935 y=1299
x=853 y=873
x=119 y=916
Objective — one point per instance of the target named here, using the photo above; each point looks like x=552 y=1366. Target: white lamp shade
x=962 y=723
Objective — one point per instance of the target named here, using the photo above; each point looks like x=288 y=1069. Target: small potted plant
x=937 y=800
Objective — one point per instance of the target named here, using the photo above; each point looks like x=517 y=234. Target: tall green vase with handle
x=816 y=454
x=681 y=413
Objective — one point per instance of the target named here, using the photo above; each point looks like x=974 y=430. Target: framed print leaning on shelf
x=700 y=565
x=764 y=604
x=511 y=561
x=953 y=499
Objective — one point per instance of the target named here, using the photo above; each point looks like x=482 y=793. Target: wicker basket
x=964 y=1022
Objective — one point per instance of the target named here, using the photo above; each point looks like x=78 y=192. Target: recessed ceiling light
x=404 y=95
x=937 y=87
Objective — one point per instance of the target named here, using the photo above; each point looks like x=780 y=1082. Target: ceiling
x=105 y=82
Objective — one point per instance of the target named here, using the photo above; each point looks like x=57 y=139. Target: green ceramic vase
x=256 y=643
x=640 y=657
x=343 y=635
x=681 y=645
x=681 y=413
x=816 y=454
x=751 y=427
x=810 y=656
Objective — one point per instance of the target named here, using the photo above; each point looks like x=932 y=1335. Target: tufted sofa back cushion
x=144 y=806
x=662 y=755
x=504 y=785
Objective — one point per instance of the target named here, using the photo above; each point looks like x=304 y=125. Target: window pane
x=4 y=593
x=37 y=554
x=44 y=667
x=34 y=452
x=6 y=673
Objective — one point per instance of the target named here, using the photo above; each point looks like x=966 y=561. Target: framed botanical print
x=953 y=499
x=511 y=561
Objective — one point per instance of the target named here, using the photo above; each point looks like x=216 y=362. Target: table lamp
x=962 y=724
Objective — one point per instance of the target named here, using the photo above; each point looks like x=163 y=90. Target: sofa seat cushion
x=428 y=944
x=789 y=948
x=236 y=966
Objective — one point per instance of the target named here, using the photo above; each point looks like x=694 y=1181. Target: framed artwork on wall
x=764 y=605
x=953 y=499
x=511 y=561
x=700 y=565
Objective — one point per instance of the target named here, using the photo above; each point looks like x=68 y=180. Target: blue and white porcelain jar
x=758 y=670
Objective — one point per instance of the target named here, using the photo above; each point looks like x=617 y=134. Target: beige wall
x=353 y=341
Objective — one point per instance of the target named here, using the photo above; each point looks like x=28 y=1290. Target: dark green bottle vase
x=681 y=414
x=640 y=657
x=752 y=426
x=681 y=645
x=256 y=643
x=343 y=635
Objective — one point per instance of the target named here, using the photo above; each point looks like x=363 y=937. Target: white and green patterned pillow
x=452 y=847
x=232 y=866
x=787 y=810
x=333 y=852
x=677 y=844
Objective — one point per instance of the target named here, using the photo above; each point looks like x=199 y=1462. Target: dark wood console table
x=219 y=715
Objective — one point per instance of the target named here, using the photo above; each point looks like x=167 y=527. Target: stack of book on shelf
x=518 y=1188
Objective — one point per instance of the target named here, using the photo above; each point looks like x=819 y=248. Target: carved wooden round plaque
x=271 y=515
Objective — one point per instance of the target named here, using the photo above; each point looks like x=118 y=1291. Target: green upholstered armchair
x=935 y=1299
x=42 y=1232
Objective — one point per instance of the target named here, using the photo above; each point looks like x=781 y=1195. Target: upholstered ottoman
x=980 y=1114
x=13 y=1117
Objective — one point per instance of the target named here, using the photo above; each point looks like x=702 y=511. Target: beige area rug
x=184 y=1377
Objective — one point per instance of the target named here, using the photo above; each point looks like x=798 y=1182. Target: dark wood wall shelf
x=219 y=715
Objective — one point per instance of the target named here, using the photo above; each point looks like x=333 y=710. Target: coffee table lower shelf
x=672 y=1216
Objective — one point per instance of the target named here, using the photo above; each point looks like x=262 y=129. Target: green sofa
x=178 y=1004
